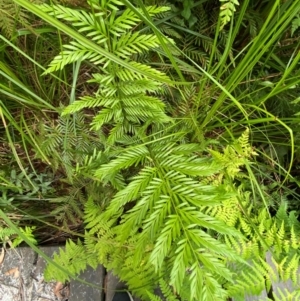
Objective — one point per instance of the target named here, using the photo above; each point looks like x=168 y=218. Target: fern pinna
x=163 y=223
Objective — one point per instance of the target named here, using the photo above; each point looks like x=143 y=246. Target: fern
x=5 y=233
x=177 y=210
x=63 y=137
x=285 y=295
x=10 y=16
x=295 y=24
x=255 y=22
x=8 y=235
x=69 y=208
x=28 y=232
x=166 y=231
x=122 y=93
x=273 y=235
x=227 y=9
x=73 y=258
x=201 y=38
x=166 y=292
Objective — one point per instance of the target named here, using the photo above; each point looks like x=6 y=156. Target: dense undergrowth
x=161 y=138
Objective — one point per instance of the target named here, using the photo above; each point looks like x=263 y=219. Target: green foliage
x=186 y=9
x=67 y=140
x=27 y=231
x=168 y=228
x=239 y=151
x=170 y=218
x=166 y=292
x=196 y=43
x=73 y=258
x=295 y=24
x=31 y=184
x=10 y=15
x=285 y=295
x=68 y=209
x=122 y=93
x=23 y=187
x=167 y=198
x=265 y=233
x=227 y=8
x=8 y=235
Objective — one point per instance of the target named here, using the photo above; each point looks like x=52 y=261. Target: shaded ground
x=21 y=278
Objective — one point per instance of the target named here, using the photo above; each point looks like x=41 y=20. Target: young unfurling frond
x=227 y=9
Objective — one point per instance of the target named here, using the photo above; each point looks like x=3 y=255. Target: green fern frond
x=227 y=9
x=131 y=158
x=207 y=44
x=67 y=209
x=255 y=22
x=129 y=19
x=127 y=75
x=153 y=197
x=295 y=24
x=28 y=232
x=286 y=295
x=65 y=135
x=153 y=297
x=77 y=17
x=10 y=16
x=73 y=259
x=88 y=102
x=165 y=222
x=169 y=31
x=251 y=283
x=75 y=53
x=198 y=56
x=95 y=27
x=8 y=234
x=133 y=43
x=122 y=95
x=5 y=233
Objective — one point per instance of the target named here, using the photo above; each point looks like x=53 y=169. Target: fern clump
x=177 y=212
x=157 y=224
